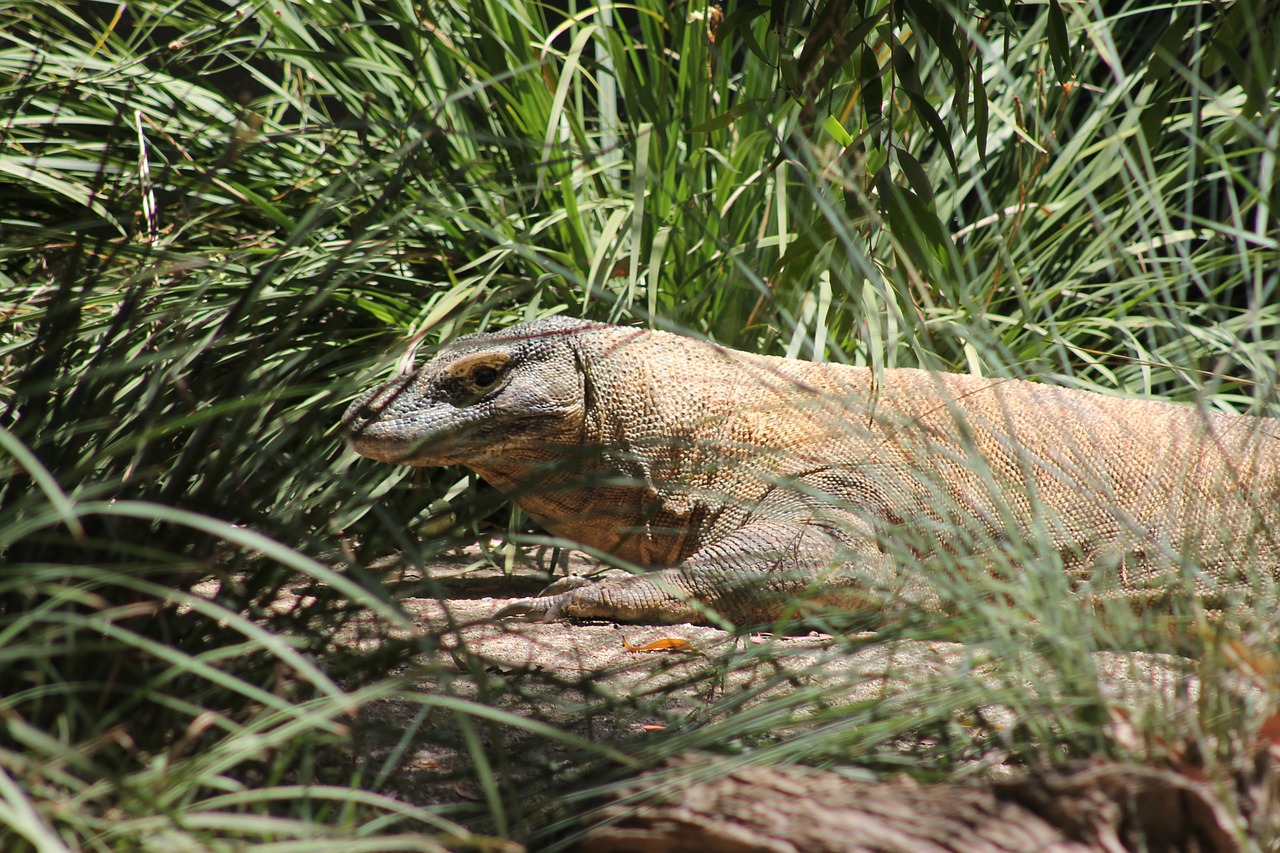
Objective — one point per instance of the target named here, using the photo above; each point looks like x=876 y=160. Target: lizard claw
x=548 y=606
x=544 y=608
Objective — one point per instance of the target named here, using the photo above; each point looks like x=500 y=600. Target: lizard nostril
x=367 y=412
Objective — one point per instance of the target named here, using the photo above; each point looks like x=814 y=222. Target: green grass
x=219 y=223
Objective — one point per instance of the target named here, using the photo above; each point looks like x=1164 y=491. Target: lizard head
x=494 y=396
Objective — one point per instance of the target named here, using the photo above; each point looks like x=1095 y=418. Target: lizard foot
x=630 y=599
x=548 y=606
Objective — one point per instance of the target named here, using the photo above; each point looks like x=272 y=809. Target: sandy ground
x=594 y=681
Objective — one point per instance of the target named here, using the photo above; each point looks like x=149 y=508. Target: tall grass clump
x=219 y=222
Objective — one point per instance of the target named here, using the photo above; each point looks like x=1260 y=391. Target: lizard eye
x=484 y=376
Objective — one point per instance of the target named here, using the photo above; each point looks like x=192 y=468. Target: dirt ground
x=594 y=681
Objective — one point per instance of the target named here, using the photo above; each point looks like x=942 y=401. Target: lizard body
x=746 y=480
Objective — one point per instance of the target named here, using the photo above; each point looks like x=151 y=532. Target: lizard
x=744 y=483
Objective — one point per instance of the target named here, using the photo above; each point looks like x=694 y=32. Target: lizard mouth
x=376 y=428
x=400 y=445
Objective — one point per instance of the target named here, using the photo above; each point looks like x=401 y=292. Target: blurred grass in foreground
x=219 y=222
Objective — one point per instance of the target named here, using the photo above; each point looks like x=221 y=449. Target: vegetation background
x=221 y=221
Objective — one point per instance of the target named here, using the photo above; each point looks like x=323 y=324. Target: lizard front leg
x=750 y=576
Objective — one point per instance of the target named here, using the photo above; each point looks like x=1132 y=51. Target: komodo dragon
x=750 y=480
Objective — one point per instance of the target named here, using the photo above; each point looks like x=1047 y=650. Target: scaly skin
x=752 y=483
